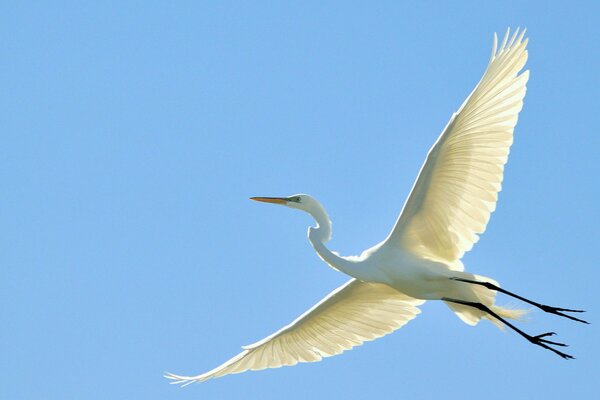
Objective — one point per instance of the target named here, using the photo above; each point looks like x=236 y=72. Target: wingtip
x=179 y=380
x=509 y=42
x=505 y=39
x=494 y=47
x=523 y=32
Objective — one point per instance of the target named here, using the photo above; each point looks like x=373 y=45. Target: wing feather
x=457 y=188
x=350 y=315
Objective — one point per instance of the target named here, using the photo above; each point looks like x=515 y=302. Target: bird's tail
x=507 y=313
x=487 y=297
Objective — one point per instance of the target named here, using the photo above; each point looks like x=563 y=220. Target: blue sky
x=134 y=133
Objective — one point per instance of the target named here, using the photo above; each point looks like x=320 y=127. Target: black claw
x=572 y=318
x=560 y=353
x=569 y=310
x=557 y=311
x=545 y=334
x=545 y=344
x=565 y=356
x=555 y=343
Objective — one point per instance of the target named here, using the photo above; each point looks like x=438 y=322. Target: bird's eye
x=297 y=199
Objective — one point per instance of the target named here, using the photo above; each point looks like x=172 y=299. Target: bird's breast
x=411 y=275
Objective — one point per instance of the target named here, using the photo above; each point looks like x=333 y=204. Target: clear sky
x=133 y=134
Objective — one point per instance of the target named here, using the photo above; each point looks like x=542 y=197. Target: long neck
x=321 y=234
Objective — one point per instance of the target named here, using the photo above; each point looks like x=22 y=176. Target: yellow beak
x=274 y=200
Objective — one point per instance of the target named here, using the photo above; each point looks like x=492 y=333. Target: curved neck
x=321 y=234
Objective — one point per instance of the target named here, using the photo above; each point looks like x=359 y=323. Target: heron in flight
x=448 y=208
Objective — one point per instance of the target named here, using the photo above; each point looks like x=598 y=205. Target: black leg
x=538 y=339
x=548 y=309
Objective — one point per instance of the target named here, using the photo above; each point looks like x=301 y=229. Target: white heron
x=449 y=206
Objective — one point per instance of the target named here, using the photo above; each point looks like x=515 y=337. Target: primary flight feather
x=448 y=208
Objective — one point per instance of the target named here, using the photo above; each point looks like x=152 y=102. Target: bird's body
x=448 y=208
x=407 y=272
x=419 y=278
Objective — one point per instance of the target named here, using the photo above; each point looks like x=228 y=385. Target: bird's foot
x=561 y=311
x=540 y=341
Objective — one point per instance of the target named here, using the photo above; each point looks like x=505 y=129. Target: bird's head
x=302 y=202
x=307 y=204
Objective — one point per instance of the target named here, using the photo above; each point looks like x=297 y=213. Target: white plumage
x=458 y=185
x=350 y=315
x=448 y=208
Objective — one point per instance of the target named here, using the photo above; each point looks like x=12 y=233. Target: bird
x=447 y=210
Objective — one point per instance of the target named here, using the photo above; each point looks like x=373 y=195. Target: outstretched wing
x=350 y=315
x=457 y=188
